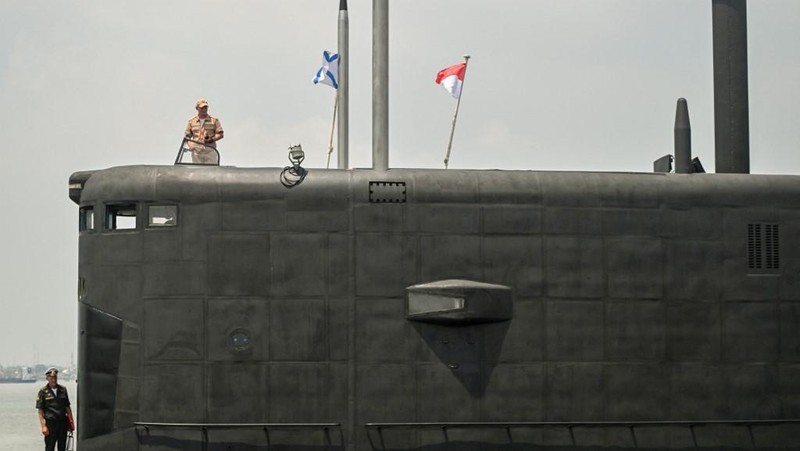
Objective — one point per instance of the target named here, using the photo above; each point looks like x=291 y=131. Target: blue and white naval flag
x=329 y=72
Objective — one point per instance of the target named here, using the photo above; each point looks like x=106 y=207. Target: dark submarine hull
x=649 y=310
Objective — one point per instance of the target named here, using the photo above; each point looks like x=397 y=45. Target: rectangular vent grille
x=387 y=192
x=763 y=248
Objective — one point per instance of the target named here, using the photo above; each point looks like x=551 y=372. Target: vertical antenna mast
x=380 y=84
x=731 y=116
x=343 y=93
x=683 y=139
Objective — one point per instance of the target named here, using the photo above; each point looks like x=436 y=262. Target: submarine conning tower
x=437 y=310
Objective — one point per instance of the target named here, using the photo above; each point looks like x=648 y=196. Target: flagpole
x=343 y=91
x=333 y=125
x=455 y=115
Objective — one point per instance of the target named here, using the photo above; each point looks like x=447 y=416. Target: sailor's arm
x=216 y=134
x=219 y=133
x=42 y=423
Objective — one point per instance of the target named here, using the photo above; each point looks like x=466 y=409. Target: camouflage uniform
x=197 y=130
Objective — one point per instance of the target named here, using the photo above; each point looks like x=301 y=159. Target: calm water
x=19 y=426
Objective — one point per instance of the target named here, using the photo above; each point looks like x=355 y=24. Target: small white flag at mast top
x=328 y=74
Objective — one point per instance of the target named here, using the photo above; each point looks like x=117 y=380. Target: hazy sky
x=585 y=85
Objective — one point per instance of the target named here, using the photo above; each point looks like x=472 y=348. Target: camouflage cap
x=201 y=102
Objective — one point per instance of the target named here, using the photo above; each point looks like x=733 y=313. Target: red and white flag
x=452 y=78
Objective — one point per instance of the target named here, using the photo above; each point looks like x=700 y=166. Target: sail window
x=86 y=219
x=121 y=217
x=162 y=216
x=763 y=248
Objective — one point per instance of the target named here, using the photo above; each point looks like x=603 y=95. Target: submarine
x=227 y=308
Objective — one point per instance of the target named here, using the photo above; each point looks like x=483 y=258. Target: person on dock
x=55 y=412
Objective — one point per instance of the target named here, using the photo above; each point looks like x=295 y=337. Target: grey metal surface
x=459 y=302
x=683 y=139
x=344 y=87
x=100 y=340
x=731 y=109
x=229 y=436
x=632 y=300
x=740 y=434
x=380 y=84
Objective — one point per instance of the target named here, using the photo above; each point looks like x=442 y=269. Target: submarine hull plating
x=221 y=310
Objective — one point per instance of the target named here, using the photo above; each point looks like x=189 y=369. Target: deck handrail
x=205 y=427
x=569 y=425
x=238 y=425
x=184 y=147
